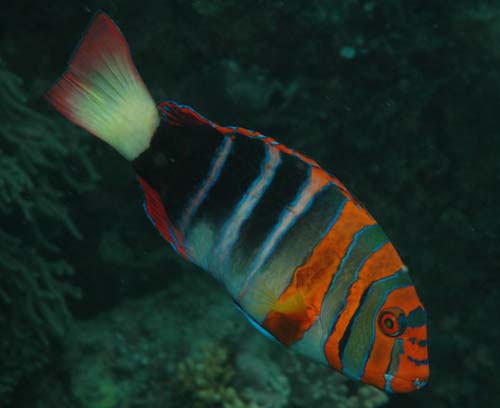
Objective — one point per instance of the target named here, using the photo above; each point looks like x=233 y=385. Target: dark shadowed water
x=400 y=100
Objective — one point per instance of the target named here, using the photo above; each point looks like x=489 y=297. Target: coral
x=148 y=354
x=317 y=386
x=207 y=378
x=33 y=290
x=260 y=377
x=220 y=376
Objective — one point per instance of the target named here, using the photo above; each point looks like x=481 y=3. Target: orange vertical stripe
x=300 y=304
x=385 y=262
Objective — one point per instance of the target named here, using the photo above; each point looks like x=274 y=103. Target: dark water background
x=400 y=100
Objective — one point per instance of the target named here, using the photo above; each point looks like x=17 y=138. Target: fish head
x=397 y=360
x=384 y=342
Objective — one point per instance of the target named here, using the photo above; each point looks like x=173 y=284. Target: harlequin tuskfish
x=303 y=260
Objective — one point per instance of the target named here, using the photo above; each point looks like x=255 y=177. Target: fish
x=300 y=256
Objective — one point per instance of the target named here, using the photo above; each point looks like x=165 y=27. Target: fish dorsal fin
x=179 y=115
x=255 y=323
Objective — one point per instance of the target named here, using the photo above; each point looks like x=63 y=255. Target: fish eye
x=392 y=321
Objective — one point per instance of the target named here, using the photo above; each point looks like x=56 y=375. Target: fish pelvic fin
x=102 y=92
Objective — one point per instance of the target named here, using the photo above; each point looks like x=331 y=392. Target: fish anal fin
x=158 y=215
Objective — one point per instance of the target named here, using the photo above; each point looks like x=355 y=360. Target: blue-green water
x=400 y=101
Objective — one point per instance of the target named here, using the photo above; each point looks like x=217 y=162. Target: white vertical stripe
x=214 y=172
x=287 y=219
x=231 y=229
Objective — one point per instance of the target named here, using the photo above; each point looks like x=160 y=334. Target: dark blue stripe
x=417 y=317
x=418 y=362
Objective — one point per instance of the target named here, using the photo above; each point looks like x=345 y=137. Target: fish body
x=302 y=259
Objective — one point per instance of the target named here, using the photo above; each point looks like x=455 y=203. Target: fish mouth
x=399 y=384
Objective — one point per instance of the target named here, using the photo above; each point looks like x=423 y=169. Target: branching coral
x=32 y=289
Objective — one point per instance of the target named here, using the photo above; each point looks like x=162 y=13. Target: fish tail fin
x=102 y=91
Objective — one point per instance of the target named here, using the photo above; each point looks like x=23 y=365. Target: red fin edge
x=182 y=115
x=176 y=114
x=159 y=218
x=101 y=39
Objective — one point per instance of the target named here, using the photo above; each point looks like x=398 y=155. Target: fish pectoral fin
x=294 y=306
x=289 y=318
x=260 y=300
